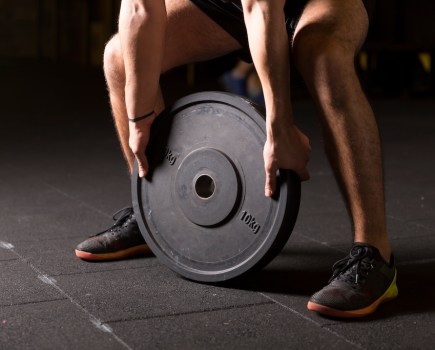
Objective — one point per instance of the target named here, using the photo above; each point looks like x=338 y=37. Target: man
x=322 y=37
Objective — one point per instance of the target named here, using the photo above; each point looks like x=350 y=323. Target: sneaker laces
x=121 y=218
x=355 y=267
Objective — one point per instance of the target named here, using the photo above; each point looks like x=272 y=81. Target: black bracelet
x=138 y=119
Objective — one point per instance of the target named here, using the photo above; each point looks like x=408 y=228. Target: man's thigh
x=192 y=36
x=330 y=22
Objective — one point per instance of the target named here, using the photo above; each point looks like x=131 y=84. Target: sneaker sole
x=122 y=254
x=389 y=294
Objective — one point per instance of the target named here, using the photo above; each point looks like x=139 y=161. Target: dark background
x=396 y=61
x=62 y=176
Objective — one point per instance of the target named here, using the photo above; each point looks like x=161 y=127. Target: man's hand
x=138 y=141
x=290 y=149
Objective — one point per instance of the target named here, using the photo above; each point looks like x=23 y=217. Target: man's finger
x=142 y=163
x=270 y=182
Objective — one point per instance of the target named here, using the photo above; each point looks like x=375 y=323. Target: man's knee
x=326 y=41
x=322 y=53
x=112 y=59
x=328 y=68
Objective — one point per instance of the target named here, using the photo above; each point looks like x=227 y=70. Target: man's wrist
x=139 y=124
x=277 y=128
x=143 y=117
x=279 y=121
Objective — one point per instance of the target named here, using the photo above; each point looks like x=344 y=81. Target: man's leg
x=327 y=38
x=191 y=36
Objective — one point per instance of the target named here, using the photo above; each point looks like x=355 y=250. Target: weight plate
x=202 y=208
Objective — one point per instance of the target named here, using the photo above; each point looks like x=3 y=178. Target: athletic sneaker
x=120 y=241
x=360 y=282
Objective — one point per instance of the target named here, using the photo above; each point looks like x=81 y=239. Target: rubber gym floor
x=62 y=176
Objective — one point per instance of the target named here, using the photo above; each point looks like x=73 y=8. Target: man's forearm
x=142 y=25
x=269 y=47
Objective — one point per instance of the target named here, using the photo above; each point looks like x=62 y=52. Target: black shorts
x=229 y=16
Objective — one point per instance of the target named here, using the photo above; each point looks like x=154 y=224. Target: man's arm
x=286 y=147
x=142 y=26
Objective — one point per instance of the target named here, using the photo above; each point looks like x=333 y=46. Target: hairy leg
x=191 y=36
x=327 y=38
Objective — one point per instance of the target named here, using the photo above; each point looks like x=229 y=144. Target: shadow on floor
x=296 y=270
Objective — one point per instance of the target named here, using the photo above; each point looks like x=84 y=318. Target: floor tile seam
x=193 y=312
x=403 y=238
x=415 y=221
x=48 y=239
x=323 y=244
x=418 y=224
x=317 y=324
x=104 y=271
x=414 y=262
x=8 y=259
x=32 y=302
x=153 y=265
x=52 y=283
x=77 y=200
x=394 y=217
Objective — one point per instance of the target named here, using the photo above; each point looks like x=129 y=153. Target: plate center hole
x=204 y=186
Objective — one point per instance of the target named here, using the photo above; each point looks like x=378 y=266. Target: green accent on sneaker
x=360 y=283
